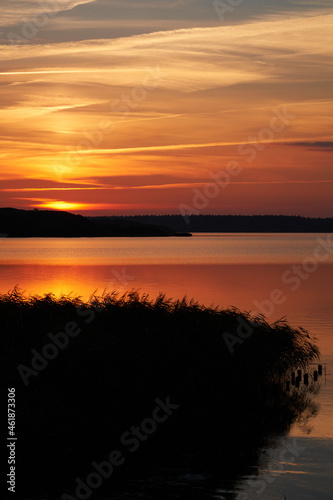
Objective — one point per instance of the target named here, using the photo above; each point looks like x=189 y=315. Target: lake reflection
x=202 y=248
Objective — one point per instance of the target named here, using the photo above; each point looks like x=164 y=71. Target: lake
x=275 y=274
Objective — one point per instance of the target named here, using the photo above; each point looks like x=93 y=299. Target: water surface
x=276 y=274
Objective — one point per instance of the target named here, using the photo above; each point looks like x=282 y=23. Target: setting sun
x=62 y=205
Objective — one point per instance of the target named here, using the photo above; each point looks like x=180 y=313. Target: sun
x=62 y=205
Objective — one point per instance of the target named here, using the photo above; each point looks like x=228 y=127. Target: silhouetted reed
x=131 y=350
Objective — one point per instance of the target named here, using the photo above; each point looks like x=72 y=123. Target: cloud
x=77 y=20
x=175 y=103
x=189 y=59
x=315 y=145
x=14 y=11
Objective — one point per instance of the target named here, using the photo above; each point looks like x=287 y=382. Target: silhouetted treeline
x=48 y=223
x=190 y=378
x=239 y=223
x=55 y=223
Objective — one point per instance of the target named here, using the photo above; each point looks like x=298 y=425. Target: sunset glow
x=137 y=121
x=62 y=205
x=166 y=248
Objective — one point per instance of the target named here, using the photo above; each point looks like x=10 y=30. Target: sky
x=167 y=107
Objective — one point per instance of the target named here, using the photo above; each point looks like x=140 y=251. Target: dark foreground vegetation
x=151 y=379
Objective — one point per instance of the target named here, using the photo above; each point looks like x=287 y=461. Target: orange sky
x=141 y=122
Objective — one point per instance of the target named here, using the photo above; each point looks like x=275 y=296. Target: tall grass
x=133 y=350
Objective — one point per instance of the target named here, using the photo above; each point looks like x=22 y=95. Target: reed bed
x=130 y=350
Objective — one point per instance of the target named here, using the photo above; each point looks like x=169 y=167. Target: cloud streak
x=179 y=101
x=13 y=10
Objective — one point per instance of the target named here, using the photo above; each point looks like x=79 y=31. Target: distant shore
x=233 y=223
x=54 y=223
x=16 y=223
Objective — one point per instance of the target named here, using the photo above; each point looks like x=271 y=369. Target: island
x=15 y=223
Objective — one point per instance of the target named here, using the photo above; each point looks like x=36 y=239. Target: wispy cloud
x=315 y=145
x=205 y=91
x=12 y=11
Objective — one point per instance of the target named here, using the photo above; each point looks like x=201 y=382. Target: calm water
x=277 y=274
